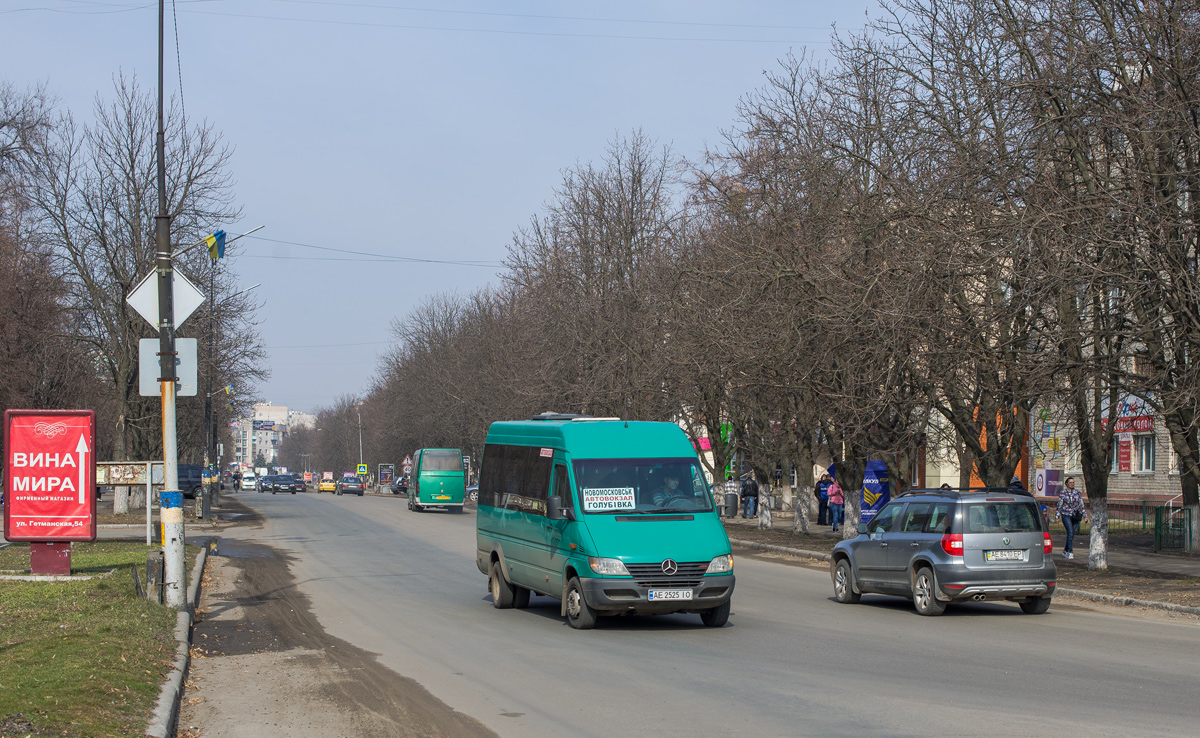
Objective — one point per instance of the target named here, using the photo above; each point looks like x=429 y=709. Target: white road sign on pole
x=186 y=368
x=185 y=298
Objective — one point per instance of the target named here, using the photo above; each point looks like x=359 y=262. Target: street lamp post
x=358 y=409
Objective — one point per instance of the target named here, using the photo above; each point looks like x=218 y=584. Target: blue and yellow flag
x=216 y=245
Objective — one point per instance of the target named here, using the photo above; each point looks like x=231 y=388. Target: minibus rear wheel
x=502 y=591
x=580 y=614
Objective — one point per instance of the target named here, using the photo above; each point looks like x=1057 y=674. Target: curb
x=166 y=710
x=781 y=549
x=1082 y=594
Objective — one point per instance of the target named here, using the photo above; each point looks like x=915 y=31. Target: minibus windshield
x=641 y=486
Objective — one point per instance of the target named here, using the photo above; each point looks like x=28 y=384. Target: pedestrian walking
x=837 y=505
x=749 y=495
x=1072 y=513
x=821 y=492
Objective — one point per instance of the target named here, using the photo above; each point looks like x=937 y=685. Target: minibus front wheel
x=502 y=591
x=580 y=614
x=717 y=616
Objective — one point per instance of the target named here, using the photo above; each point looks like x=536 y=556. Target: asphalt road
x=791 y=661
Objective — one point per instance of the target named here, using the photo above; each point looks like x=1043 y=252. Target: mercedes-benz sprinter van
x=609 y=516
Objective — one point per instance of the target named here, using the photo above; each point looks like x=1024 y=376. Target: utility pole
x=358 y=409
x=171 y=499
x=210 y=428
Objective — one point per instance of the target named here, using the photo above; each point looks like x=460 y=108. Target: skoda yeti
x=943 y=546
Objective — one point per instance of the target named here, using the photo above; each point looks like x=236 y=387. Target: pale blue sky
x=417 y=128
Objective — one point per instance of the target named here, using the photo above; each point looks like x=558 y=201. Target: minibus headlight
x=612 y=567
x=721 y=565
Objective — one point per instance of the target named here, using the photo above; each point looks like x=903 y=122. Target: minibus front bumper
x=617 y=595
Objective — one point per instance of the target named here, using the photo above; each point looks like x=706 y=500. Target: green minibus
x=609 y=516
x=437 y=480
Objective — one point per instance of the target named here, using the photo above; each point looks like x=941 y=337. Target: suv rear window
x=1001 y=517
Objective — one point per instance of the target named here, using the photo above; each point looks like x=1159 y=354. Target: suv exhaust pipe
x=979 y=597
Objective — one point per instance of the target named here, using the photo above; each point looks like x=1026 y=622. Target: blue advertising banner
x=875 y=489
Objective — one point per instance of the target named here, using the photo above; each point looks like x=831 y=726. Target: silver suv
x=943 y=546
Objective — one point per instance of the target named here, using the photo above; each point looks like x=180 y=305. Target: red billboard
x=49 y=475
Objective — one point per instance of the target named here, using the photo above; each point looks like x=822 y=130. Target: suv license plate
x=670 y=594
x=1008 y=555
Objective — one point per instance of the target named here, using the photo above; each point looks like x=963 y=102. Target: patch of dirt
x=16 y=724
x=1177 y=590
x=263 y=666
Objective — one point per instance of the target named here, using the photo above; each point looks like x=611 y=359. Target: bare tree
x=93 y=192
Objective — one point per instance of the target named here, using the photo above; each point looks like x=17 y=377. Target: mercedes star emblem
x=669 y=567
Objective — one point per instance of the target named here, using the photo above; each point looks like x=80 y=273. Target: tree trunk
x=800 y=509
x=1098 y=545
x=1190 y=502
x=120 y=494
x=120 y=500
x=853 y=514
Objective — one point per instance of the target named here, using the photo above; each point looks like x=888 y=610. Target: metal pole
x=149 y=501
x=210 y=431
x=358 y=409
x=170 y=509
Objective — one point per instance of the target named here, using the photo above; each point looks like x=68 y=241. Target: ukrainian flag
x=216 y=245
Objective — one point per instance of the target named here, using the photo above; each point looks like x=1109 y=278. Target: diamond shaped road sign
x=185 y=295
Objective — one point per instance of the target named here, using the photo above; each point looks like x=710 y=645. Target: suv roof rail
x=960 y=491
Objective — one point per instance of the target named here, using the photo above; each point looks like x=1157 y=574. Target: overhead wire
x=372 y=256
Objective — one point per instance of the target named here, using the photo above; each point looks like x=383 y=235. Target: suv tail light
x=1047 y=544
x=952 y=543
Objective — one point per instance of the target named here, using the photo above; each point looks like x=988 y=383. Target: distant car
x=286 y=483
x=942 y=546
x=351 y=484
x=326 y=485
x=249 y=481
x=191 y=479
x=400 y=485
x=473 y=493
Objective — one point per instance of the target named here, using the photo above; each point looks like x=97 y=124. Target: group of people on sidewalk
x=831 y=502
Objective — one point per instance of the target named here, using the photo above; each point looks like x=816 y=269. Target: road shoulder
x=263 y=666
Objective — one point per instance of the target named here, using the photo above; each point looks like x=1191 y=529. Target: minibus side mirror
x=555 y=509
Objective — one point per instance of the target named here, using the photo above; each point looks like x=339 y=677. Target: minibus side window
x=514 y=474
x=562 y=486
x=489 y=478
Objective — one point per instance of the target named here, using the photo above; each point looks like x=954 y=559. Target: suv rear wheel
x=1035 y=605
x=843 y=584
x=924 y=593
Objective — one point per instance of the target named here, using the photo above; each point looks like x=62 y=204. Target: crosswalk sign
x=362 y=469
